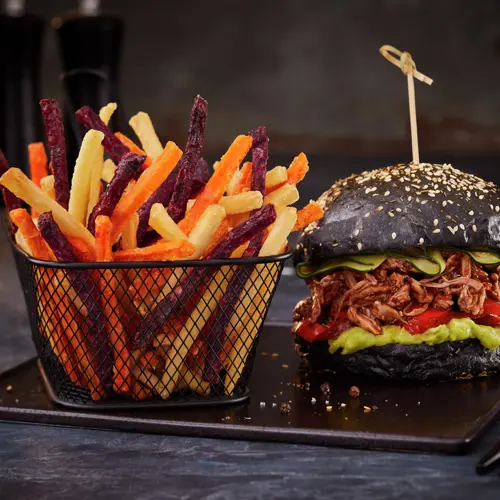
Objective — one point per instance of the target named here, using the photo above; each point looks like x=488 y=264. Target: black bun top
x=403 y=206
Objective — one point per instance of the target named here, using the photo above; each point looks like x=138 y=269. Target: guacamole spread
x=356 y=339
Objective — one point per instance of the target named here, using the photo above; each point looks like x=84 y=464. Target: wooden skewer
x=404 y=61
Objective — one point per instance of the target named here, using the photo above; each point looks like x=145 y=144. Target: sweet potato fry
x=106 y=112
x=141 y=392
x=163 y=251
x=242 y=202
x=297 y=169
x=146 y=185
x=220 y=234
x=34 y=241
x=205 y=228
x=129 y=234
x=38 y=164
x=143 y=127
x=244 y=181
x=22 y=243
x=87 y=165
x=201 y=177
x=260 y=154
x=129 y=165
x=285 y=195
x=217 y=184
x=10 y=199
x=134 y=148
x=310 y=213
x=17 y=182
x=47 y=186
x=123 y=362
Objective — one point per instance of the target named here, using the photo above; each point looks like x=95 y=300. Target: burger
x=403 y=271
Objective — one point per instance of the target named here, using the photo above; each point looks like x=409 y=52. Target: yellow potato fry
x=17 y=182
x=47 y=185
x=163 y=224
x=234 y=182
x=80 y=185
x=143 y=127
x=22 y=243
x=192 y=328
x=190 y=203
x=205 y=228
x=242 y=202
x=108 y=170
x=107 y=111
x=193 y=382
x=279 y=232
x=95 y=180
x=275 y=177
x=129 y=233
x=285 y=195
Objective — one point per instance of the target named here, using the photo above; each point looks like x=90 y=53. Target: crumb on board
x=284 y=365
x=313 y=401
x=264 y=354
x=354 y=392
x=262 y=404
x=9 y=388
x=374 y=407
x=274 y=355
x=366 y=409
x=325 y=388
x=285 y=408
x=343 y=405
x=329 y=408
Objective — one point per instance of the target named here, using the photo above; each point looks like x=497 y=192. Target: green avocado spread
x=356 y=338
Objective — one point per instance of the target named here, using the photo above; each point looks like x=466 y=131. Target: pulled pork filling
x=396 y=291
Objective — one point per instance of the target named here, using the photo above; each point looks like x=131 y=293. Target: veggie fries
x=10 y=199
x=143 y=127
x=134 y=148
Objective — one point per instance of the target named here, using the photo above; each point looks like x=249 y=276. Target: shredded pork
x=396 y=290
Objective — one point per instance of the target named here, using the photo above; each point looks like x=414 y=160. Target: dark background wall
x=309 y=70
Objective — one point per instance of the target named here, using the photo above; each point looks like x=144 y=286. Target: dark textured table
x=51 y=463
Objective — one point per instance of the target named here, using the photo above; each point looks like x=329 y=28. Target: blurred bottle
x=20 y=52
x=90 y=45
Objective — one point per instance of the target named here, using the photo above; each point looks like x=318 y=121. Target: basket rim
x=147 y=264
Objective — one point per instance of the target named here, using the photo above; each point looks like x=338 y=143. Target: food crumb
x=354 y=392
x=325 y=388
x=247 y=418
x=262 y=404
x=374 y=407
x=396 y=404
x=281 y=393
x=313 y=401
x=264 y=354
x=284 y=365
x=308 y=386
x=9 y=388
x=406 y=414
x=345 y=418
x=327 y=402
x=274 y=355
x=285 y=408
x=17 y=401
x=274 y=405
x=418 y=403
x=343 y=405
x=366 y=409
x=329 y=408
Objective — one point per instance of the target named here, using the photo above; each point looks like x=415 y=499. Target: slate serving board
x=446 y=418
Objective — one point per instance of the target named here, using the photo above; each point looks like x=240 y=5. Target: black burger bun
x=442 y=362
x=403 y=206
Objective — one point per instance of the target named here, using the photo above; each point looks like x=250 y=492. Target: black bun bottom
x=442 y=362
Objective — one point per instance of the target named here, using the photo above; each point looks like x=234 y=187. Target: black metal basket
x=122 y=335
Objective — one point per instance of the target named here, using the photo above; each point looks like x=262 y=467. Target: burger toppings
x=396 y=292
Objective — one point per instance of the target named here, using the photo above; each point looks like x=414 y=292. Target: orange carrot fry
x=147 y=184
x=219 y=235
x=162 y=251
x=310 y=213
x=81 y=250
x=134 y=148
x=39 y=248
x=38 y=164
x=297 y=169
x=245 y=179
x=141 y=392
x=218 y=183
x=123 y=362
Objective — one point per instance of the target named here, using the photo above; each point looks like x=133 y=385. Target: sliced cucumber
x=305 y=270
x=374 y=259
x=483 y=257
x=435 y=255
x=424 y=265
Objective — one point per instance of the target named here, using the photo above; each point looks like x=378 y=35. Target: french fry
x=191 y=329
x=37 y=246
x=10 y=199
x=297 y=169
x=206 y=227
x=163 y=224
x=192 y=381
x=38 y=164
x=274 y=242
x=134 y=148
x=285 y=195
x=108 y=170
x=122 y=376
x=60 y=279
x=234 y=183
x=163 y=251
x=190 y=204
x=217 y=184
x=22 y=243
x=17 y=182
x=275 y=178
x=141 y=392
x=47 y=186
x=245 y=179
x=147 y=183
x=242 y=202
x=95 y=185
x=220 y=234
x=129 y=234
x=106 y=112
x=143 y=127
x=310 y=213
x=89 y=161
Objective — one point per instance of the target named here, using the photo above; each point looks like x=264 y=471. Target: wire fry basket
x=125 y=335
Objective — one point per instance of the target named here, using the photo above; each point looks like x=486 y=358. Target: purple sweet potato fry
x=201 y=177
x=189 y=161
x=126 y=170
x=10 y=199
x=113 y=146
x=87 y=290
x=174 y=301
x=54 y=127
